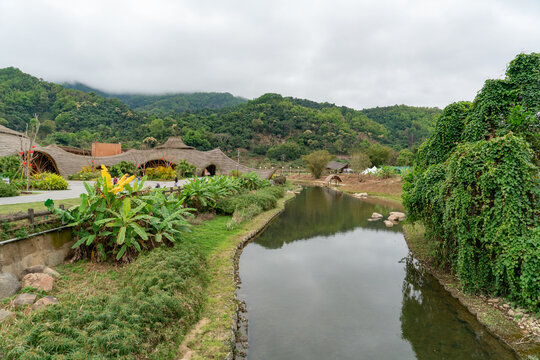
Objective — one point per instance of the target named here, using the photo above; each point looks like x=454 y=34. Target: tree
x=289 y=151
x=316 y=162
x=360 y=161
x=379 y=154
x=405 y=158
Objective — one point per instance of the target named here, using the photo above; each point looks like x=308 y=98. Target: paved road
x=75 y=189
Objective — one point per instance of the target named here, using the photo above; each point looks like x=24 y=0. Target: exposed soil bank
x=219 y=330
x=514 y=331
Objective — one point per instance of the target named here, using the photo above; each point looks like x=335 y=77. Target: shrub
x=241 y=215
x=386 y=172
x=113 y=220
x=123 y=167
x=84 y=175
x=360 y=161
x=265 y=198
x=48 y=181
x=316 y=162
x=9 y=165
x=8 y=190
x=279 y=180
x=160 y=173
x=252 y=181
x=185 y=169
x=235 y=173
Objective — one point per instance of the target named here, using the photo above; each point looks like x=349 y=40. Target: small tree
x=316 y=162
x=405 y=158
x=360 y=161
x=379 y=154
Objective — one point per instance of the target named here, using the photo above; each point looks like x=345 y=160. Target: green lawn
x=37 y=206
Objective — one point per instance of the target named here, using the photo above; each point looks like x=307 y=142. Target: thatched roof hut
x=336 y=166
x=171 y=152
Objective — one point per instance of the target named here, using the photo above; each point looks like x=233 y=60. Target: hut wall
x=103 y=149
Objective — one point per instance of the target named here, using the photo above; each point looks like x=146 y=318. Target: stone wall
x=48 y=249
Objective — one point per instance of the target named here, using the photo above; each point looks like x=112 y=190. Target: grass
x=37 y=206
x=113 y=312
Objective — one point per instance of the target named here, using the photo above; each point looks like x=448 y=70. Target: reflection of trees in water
x=320 y=212
x=437 y=326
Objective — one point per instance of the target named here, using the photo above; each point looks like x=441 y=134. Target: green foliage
x=287 y=151
x=160 y=173
x=48 y=181
x=316 y=162
x=265 y=199
x=122 y=168
x=106 y=223
x=476 y=187
x=84 y=175
x=8 y=190
x=9 y=165
x=386 y=172
x=122 y=319
x=360 y=161
x=405 y=158
x=252 y=181
x=379 y=154
x=185 y=169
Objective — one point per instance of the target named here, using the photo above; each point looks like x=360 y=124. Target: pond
x=321 y=282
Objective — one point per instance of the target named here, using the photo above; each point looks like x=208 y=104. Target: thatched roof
x=332 y=177
x=174 y=143
x=174 y=150
x=334 y=165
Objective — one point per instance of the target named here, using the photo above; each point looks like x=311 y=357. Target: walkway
x=75 y=189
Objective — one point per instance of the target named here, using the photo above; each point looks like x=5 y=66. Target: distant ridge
x=163 y=104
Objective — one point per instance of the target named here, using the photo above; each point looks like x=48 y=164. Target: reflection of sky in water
x=342 y=295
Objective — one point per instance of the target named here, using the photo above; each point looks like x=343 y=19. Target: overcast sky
x=360 y=53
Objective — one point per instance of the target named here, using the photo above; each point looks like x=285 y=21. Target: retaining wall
x=49 y=248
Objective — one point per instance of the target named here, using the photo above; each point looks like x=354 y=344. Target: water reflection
x=349 y=290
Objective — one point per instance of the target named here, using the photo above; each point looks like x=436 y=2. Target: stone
x=9 y=285
x=24 y=299
x=4 y=314
x=36 y=269
x=374 y=219
x=511 y=312
x=38 y=281
x=393 y=218
x=388 y=223
x=376 y=216
x=398 y=215
x=45 y=301
x=494 y=301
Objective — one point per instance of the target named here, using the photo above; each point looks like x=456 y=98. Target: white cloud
x=360 y=54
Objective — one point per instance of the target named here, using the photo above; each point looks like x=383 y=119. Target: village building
x=66 y=161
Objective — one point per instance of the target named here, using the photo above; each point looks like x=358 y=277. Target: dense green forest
x=475 y=186
x=167 y=103
x=281 y=128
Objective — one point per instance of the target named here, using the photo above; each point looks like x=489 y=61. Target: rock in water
x=47 y=300
x=399 y=216
x=376 y=216
x=388 y=223
x=38 y=281
x=24 y=299
x=9 y=285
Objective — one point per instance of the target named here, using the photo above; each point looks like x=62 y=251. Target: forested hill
x=271 y=125
x=68 y=117
x=168 y=103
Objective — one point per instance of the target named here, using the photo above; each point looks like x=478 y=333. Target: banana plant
x=124 y=226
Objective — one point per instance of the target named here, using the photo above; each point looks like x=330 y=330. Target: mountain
x=271 y=125
x=167 y=103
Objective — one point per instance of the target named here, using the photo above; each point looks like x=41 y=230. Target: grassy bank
x=37 y=206
x=496 y=321
x=210 y=338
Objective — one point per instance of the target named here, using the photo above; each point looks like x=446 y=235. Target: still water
x=321 y=282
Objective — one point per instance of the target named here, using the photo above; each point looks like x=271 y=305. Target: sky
x=361 y=54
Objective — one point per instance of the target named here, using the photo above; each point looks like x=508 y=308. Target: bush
x=265 y=198
x=185 y=169
x=386 y=172
x=8 y=190
x=9 y=165
x=48 y=181
x=316 y=162
x=160 y=173
x=279 y=180
x=84 y=175
x=123 y=167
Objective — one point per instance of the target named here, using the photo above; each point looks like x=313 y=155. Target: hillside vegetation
x=279 y=127
x=476 y=186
